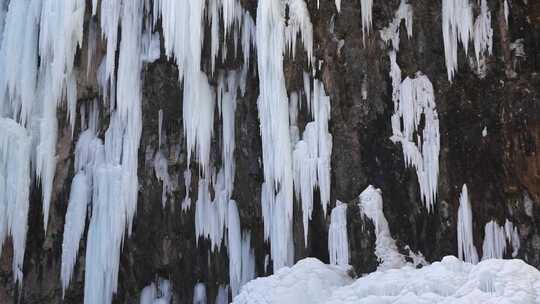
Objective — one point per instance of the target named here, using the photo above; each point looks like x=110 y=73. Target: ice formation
x=496 y=239
x=366 y=7
x=311 y=155
x=79 y=198
x=447 y=281
x=338 y=243
x=466 y=250
x=371 y=206
x=162 y=174
x=222 y=296
x=160 y=293
x=309 y=281
x=458 y=26
x=420 y=147
x=199 y=294
x=15 y=150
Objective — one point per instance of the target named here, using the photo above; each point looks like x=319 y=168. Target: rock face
x=490 y=140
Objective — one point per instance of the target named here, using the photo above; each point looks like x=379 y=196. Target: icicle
x=416 y=99
x=338 y=243
x=14 y=190
x=299 y=23
x=274 y=120
x=338 y=5
x=483 y=33
x=160 y=126
x=494 y=241
x=199 y=294
x=366 y=7
x=506 y=11
x=466 y=250
x=235 y=248
x=457 y=25
x=160 y=294
x=79 y=198
x=391 y=32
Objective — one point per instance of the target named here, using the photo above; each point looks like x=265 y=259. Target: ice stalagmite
x=420 y=147
x=338 y=243
x=15 y=145
x=371 y=206
x=494 y=241
x=466 y=250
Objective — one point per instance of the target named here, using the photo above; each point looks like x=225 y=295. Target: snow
x=309 y=281
x=466 y=250
x=199 y=294
x=15 y=145
x=447 y=281
x=160 y=293
x=338 y=243
x=420 y=147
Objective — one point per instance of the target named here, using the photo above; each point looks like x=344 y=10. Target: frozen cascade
x=273 y=39
x=15 y=145
x=416 y=99
x=466 y=250
x=371 y=206
x=115 y=182
x=311 y=155
x=338 y=243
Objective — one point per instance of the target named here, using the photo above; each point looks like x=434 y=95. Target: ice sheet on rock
x=308 y=282
x=466 y=250
x=338 y=242
x=15 y=145
x=161 y=169
x=420 y=147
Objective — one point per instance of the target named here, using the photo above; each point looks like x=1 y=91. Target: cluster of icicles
x=44 y=36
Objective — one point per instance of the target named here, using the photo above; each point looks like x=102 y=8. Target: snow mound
x=309 y=281
x=445 y=282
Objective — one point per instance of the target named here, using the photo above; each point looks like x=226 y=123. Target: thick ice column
x=466 y=250
x=338 y=242
x=15 y=145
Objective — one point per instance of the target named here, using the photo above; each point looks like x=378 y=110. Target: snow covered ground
x=449 y=281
